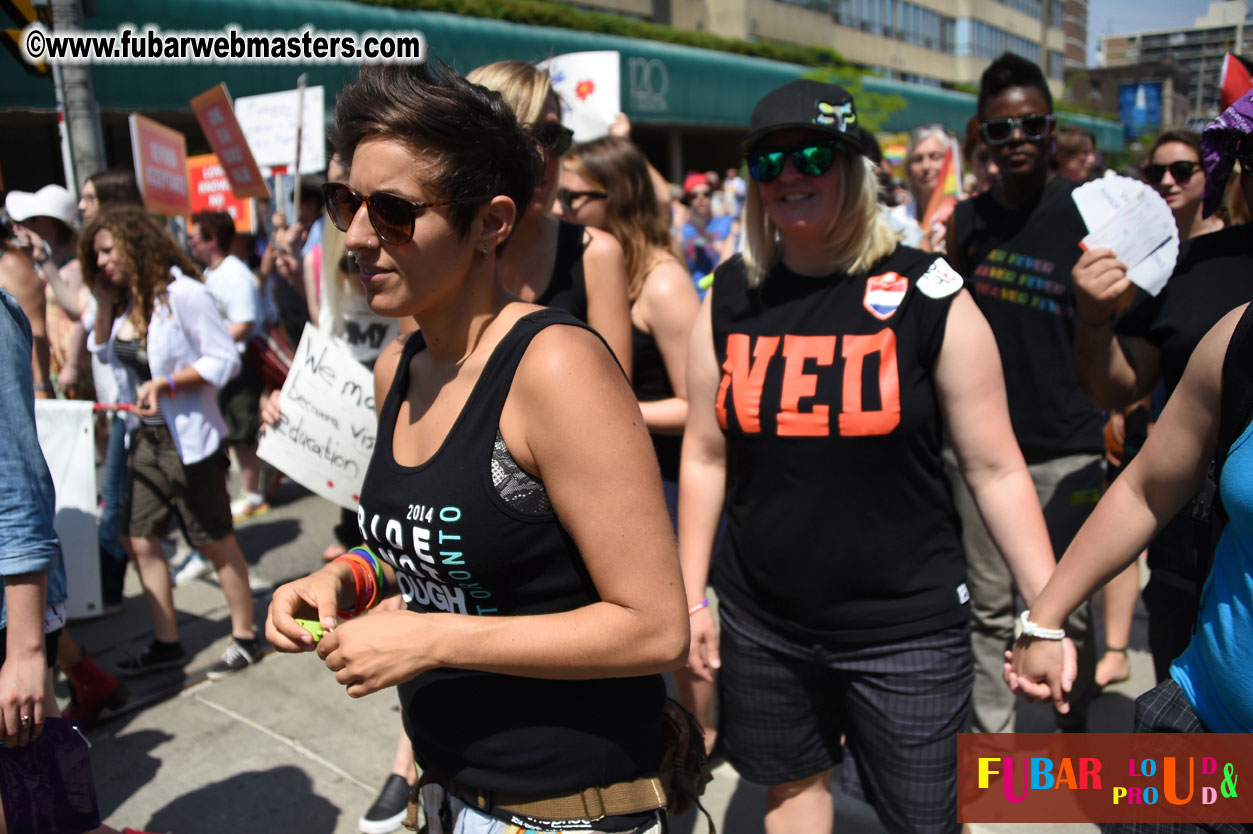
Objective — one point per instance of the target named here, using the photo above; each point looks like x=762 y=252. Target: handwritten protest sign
x=269 y=124
x=326 y=435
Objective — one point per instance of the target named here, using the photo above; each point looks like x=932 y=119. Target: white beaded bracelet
x=1030 y=629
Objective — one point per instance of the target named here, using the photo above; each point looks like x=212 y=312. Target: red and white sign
x=211 y=191
x=217 y=119
x=160 y=155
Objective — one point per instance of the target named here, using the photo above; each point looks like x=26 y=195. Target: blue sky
x=1116 y=17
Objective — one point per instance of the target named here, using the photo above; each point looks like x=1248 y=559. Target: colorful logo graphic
x=584 y=89
x=1103 y=777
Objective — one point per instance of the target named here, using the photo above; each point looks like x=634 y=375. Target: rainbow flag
x=949 y=184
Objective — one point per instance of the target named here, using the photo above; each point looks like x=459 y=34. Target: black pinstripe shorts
x=1166 y=709
x=900 y=705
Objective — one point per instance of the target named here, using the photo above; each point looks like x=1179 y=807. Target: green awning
x=661 y=83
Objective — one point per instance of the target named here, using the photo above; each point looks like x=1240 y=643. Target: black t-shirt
x=567 y=288
x=1214 y=275
x=1017 y=264
x=458 y=546
x=841 y=521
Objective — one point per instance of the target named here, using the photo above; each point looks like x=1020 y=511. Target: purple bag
x=47 y=786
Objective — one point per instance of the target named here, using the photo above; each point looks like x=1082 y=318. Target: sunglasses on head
x=811 y=159
x=554 y=137
x=1181 y=170
x=999 y=131
x=391 y=216
x=566 y=197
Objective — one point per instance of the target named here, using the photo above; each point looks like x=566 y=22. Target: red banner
x=1103 y=777
x=217 y=119
x=160 y=155
x=211 y=191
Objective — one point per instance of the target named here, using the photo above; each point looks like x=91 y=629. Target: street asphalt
x=280 y=748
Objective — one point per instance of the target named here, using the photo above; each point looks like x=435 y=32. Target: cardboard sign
x=211 y=191
x=67 y=437
x=269 y=124
x=590 y=88
x=217 y=120
x=326 y=435
x=160 y=155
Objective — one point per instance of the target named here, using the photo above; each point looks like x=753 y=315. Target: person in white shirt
x=234 y=288
x=159 y=332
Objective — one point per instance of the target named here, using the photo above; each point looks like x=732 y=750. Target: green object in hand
x=313 y=627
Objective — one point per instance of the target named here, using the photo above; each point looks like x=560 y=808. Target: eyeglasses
x=391 y=216
x=566 y=197
x=1181 y=170
x=812 y=160
x=999 y=131
x=691 y=196
x=555 y=137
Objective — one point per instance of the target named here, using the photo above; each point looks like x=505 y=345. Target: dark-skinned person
x=825 y=366
x=1015 y=244
x=528 y=656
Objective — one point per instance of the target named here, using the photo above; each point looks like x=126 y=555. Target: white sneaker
x=248 y=506
x=193 y=567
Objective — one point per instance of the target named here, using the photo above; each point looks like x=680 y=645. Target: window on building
x=1056 y=65
x=1057 y=13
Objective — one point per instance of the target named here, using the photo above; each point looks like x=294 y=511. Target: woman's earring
x=483 y=252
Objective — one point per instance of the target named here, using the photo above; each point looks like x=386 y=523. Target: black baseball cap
x=827 y=108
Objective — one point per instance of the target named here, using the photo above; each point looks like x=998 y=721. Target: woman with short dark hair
x=528 y=660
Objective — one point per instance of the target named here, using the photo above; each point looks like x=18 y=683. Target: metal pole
x=82 y=117
x=300 y=123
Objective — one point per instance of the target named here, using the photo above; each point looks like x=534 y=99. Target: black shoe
x=388 y=811
x=240 y=654
x=155 y=656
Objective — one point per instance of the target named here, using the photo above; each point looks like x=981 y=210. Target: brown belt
x=644 y=794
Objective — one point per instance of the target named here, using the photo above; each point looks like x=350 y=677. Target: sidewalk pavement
x=280 y=748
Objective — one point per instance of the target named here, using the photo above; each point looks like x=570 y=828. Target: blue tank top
x=1208 y=671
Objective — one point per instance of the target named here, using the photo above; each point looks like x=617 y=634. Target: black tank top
x=651 y=382
x=1017 y=264
x=458 y=546
x=841 y=521
x=567 y=289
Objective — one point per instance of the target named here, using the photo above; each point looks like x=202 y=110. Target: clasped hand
x=1042 y=670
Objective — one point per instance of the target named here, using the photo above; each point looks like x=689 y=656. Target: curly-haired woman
x=161 y=334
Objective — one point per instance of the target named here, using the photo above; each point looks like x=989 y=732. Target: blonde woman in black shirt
x=824 y=366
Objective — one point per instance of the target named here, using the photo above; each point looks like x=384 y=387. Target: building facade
x=1224 y=28
x=942 y=43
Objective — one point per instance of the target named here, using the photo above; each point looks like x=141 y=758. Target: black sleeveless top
x=567 y=289
x=1017 y=264
x=650 y=383
x=458 y=546
x=841 y=521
